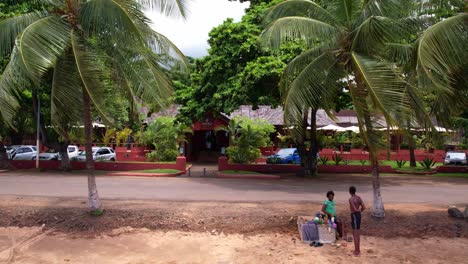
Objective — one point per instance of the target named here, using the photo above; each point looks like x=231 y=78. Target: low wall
x=132 y=154
x=223 y=164
x=104 y=166
x=452 y=169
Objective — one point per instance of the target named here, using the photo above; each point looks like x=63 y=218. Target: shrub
x=427 y=163
x=247 y=136
x=400 y=163
x=273 y=160
x=121 y=136
x=108 y=136
x=337 y=159
x=363 y=162
x=163 y=155
x=323 y=160
x=346 y=161
x=164 y=133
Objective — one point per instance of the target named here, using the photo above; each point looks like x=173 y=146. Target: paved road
x=394 y=189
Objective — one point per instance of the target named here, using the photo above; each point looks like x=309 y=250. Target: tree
x=346 y=39
x=79 y=43
x=237 y=69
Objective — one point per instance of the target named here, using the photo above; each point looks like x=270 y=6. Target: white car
x=453 y=157
x=50 y=154
x=99 y=154
x=25 y=153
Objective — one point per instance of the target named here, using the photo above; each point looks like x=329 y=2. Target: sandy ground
x=59 y=230
x=127 y=245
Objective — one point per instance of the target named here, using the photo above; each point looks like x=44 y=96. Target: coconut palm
x=346 y=39
x=81 y=46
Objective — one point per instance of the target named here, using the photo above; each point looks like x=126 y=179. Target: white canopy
x=332 y=128
x=354 y=129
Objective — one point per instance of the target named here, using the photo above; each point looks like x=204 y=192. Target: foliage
x=337 y=158
x=363 y=162
x=247 y=136
x=163 y=133
x=284 y=140
x=121 y=136
x=237 y=70
x=324 y=160
x=109 y=136
x=273 y=160
x=400 y=163
x=427 y=163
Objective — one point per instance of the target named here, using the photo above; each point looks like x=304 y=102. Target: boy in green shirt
x=328 y=208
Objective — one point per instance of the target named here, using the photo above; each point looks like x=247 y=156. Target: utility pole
x=38 y=119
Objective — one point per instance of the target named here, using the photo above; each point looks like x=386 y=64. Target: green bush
x=273 y=160
x=427 y=163
x=121 y=136
x=363 y=162
x=324 y=160
x=247 y=136
x=337 y=159
x=165 y=134
x=400 y=163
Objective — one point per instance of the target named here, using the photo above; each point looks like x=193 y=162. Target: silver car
x=50 y=154
x=453 y=157
x=99 y=154
x=25 y=153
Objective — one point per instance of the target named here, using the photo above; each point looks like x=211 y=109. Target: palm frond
x=41 y=43
x=402 y=54
x=344 y=10
x=443 y=51
x=300 y=8
x=10 y=28
x=66 y=92
x=90 y=75
x=13 y=80
x=309 y=30
x=313 y=87
x=167 y=7
x=384 y=85
x=389 y=8
x=116 y=20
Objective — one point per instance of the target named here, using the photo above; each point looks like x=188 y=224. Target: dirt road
x=58 y=230
x=395 y=189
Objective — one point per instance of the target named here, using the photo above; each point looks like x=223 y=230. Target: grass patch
x=239 y=172
x=159 y=171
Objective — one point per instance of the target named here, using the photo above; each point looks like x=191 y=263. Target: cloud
x=191 y=35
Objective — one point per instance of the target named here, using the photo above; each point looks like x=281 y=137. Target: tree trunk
x=94 y=202
x=389 y=144
x=313 y=144
x=301 y=145
x=65 y=160
x=3 y=157
x=411 y=146
x=378 y=209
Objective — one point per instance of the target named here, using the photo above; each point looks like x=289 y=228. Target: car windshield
x=83 y=153
x=34 y=148
x=71 y=149
x=286 y=152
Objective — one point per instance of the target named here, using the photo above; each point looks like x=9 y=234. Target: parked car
x=99 y=154
x=25 y=153
x=285 y=156
x=453 y=157
x=73 y=151
x=50 y=154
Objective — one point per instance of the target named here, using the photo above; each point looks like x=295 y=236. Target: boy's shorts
x=356 y=220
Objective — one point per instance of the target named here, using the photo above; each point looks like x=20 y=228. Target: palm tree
x=80 y=45
x=346 y=39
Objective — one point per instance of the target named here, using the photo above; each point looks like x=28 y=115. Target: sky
x=191 y=35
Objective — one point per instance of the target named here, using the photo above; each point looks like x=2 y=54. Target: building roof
x=274 y=116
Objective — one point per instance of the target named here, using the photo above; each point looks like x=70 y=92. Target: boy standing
x=356 y=206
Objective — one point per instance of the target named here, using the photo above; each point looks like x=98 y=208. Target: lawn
x=158 y=171
x=392 y=163
x=239 y=172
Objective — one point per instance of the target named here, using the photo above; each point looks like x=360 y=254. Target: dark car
x=285 y=156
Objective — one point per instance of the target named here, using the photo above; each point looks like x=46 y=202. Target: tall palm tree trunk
x=411 y=146
x=3 y=156
x=94 y=202
x=378 y=209
x=313 y=143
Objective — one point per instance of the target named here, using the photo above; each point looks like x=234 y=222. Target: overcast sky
x=191 y=35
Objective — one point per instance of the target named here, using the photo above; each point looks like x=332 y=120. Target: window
x=34 y=148
x=104 y=151
x=25 y=150
x=72 y=149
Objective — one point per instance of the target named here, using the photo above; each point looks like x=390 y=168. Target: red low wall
x=104 y=166
x=132 y=154
x=453 y=169
x=223 y=164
